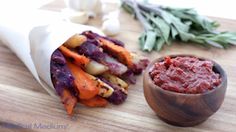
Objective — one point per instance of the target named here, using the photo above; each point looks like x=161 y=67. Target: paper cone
x=35 y=41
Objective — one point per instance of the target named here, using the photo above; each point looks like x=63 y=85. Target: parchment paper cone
x=35 y=42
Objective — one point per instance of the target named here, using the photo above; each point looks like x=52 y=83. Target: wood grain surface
x=25 y=105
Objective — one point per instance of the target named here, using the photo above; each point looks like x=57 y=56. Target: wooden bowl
x=183 y=109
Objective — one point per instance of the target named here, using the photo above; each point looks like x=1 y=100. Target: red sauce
x=185 y=75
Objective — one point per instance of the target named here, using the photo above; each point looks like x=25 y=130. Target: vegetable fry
x=114 y=66
x=86 y=87
x=119 y=52
x=94 y=52
x=139 y=63
x=75 y=41
x=78 y=59
x=105 y=90
x=115 y=80
x=96 y=101
x=95 y=68
x=119 y=94
x=62 y=80
x=68 y=100
x=88 y=69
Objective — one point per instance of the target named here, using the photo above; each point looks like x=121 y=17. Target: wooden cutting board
x=25 y=105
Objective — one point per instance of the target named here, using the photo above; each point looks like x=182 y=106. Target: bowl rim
x=222 y=73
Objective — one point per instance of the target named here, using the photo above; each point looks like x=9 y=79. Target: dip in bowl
x=184 y=90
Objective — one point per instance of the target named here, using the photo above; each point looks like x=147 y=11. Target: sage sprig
x=162 y=25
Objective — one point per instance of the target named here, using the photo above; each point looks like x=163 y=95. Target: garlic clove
x=111 y=15
x=111 y=26
x=81 y=18
x=76 y=16
x=91 y=7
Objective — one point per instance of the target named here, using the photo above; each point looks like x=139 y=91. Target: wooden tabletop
x=26 y=106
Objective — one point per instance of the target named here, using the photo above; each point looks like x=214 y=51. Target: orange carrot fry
x=96 y=101
x=78 y=59
x=86 y=86
x=119 y=52
x=68 y=100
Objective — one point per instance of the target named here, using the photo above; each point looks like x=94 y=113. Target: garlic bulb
x=92 y=7
x=111 y=24
x=111 y=27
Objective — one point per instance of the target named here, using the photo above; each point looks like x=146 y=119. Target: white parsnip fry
x=95 y=68
x=75 y=41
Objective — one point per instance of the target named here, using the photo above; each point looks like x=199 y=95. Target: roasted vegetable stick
x=115 y=80
x=68 y=100
x=119 y=52
x=78 y=59
x=139 y=63
x=94 y=52
x=95 y=68
x=62 y=80
x=96 y=101
x=75 y=40
x=119 y=94
x=105 y=90
x=86 y=87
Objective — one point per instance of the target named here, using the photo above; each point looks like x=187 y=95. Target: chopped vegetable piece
x=119 y=94
x=117 y=97
x=90 y=34
x=104 y=89
x=114 y=66
x=78 y=59
x=96 y=101
x=63 y=81
x=94 y=36
x=94 y=52
x=139 y=63
x=68 y=100
x=95 y=68
x=86 y=87
x=119 y=52
x=60 y=73
x=129 y=77
x=115 y=41
x=115 y=80
x=75 y=41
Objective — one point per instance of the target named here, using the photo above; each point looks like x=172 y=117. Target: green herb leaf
x=172 y=20
x=191 y=15
x=159 y=44
x=160 y=25
x=142 y=40
x=163 y=25
x=150 y=40
x=174 y=32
